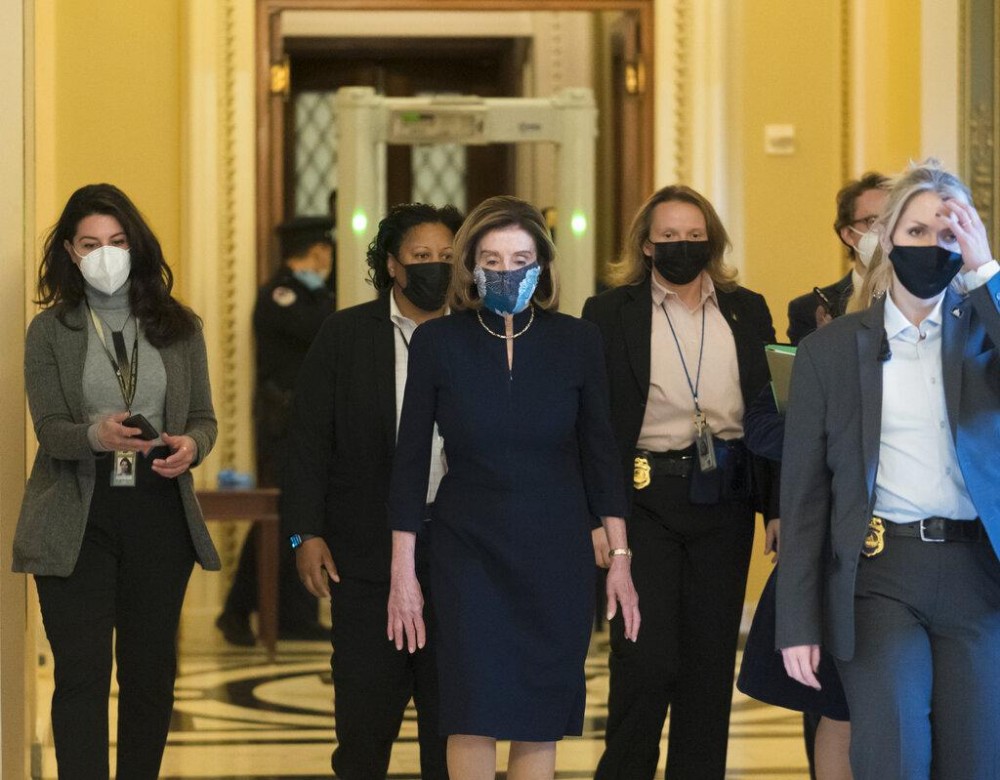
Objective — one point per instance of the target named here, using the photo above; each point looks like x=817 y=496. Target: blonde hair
x=633 y=265
x=927 y=176
x=872 y=284
x=497 y=213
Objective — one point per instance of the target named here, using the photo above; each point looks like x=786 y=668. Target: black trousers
x=128 y=584
x=924 y=683
x=689 y=568
x=373 y=682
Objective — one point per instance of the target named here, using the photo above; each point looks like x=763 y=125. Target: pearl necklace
x=504 y=336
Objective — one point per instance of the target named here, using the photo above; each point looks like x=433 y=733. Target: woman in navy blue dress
x=519 y=393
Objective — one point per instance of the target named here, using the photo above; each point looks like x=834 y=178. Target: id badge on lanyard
x=123 y=470
x=703 y=432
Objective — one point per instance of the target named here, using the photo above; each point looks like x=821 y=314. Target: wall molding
x=979 y=112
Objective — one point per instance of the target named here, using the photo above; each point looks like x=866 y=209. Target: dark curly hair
x=393 y=229
x=164 y=320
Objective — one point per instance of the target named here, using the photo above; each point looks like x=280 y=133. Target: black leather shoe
x=309 y=632
x=236 y=629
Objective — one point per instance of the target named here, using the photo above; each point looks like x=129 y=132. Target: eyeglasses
x=868 y=222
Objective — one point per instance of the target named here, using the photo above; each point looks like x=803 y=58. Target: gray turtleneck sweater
x=101 y=393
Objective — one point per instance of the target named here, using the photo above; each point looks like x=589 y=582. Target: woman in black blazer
x=683 y=345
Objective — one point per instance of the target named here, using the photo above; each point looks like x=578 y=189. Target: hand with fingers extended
x=315 y=566
x=114 y=436
x=406 y=613
x=406 y=600
x=622 y=596
x=969 y=231
x=183 y=453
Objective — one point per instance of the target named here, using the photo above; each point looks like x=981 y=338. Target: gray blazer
x=831 y=454
x=57 y=497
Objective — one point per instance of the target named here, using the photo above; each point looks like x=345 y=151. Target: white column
x=360 y=192
x=575 y=197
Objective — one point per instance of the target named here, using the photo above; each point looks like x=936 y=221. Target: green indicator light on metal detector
x=578 y=223
x=359 y=222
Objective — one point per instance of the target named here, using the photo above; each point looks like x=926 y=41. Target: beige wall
x=854 y=101
x=111 y=104
x=16 y=699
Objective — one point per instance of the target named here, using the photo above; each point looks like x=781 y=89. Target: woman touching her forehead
x=891 y=495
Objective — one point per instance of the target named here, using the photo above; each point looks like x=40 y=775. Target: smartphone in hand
x=148 y=432
x=823 y=299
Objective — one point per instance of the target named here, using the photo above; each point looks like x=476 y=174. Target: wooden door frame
x=269 y=173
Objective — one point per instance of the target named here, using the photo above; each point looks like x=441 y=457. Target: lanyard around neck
x=126 y=369
x=693 y=386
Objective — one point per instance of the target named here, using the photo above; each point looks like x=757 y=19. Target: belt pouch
x=728 y=482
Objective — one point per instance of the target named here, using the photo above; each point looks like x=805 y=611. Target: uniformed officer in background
x=290 y=309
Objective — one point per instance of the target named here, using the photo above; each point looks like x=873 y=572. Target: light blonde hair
x=633 y=265
x=497 y=213
x=927 y=176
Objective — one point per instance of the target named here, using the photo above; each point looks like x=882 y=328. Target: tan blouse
x=668 y=423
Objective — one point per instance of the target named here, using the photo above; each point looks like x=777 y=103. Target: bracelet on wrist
x=620 y=551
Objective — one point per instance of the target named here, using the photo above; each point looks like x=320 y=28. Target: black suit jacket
x=624 y=315
x=802 y=310
x=832 y=441
x=342 y=440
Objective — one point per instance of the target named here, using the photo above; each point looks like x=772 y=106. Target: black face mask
x=427 y=284
x=680 y=262
x=924 y=270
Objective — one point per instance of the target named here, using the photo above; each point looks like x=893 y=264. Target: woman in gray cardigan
x=117 y=384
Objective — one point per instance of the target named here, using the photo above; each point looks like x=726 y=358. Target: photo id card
x=706 y=448
x=123 y=469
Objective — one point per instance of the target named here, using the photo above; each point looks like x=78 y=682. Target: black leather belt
x=673 y=463
x=938 y=529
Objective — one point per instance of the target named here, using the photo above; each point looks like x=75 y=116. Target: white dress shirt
x=918 y=472
x=404 y=332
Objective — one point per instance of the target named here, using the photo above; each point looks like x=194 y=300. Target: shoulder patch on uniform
x=283 y=296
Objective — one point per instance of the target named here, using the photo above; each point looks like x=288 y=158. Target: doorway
x=499 y=59
x=395 y=67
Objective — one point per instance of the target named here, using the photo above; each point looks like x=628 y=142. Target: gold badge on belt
x=640 y=472
x=874 y=538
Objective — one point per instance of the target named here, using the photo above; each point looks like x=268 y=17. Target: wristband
x=627 y=552
x=296 y=539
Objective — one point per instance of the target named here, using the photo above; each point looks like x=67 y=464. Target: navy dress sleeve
x=764 y=426
x=601 y=462
x=412 y=461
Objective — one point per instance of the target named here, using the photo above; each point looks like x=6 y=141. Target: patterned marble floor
x=239 y=716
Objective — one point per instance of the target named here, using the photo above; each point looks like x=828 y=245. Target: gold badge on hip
x=874 y=538
x=640 y=472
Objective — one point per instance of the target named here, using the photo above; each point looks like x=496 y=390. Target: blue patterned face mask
x=507 y=292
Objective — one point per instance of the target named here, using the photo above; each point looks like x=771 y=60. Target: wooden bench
x=260 y=507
